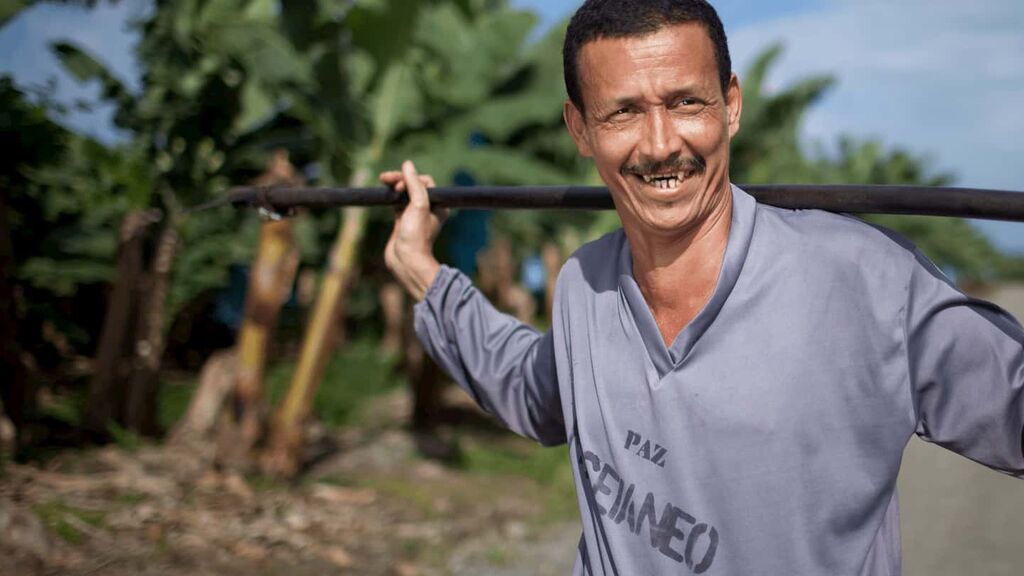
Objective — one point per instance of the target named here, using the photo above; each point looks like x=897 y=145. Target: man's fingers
x=401 y=180
x=417 y=192
x=390 y=177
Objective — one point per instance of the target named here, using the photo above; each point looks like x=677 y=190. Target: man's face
x=657 y=126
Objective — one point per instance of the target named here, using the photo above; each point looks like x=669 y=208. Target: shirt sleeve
x=966 y=363
x=507 y=366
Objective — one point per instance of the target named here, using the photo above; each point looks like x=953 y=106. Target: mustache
x=694 y=164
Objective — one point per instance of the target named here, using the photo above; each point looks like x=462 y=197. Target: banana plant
x=769 y=149
x=440 y=82
x=215 y=76
x=380 y=80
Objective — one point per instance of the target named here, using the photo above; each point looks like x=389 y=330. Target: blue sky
x=942 y=78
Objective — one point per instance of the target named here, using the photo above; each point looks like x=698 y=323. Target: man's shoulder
x=596 y=263
x=831 y=236
x=603 y=251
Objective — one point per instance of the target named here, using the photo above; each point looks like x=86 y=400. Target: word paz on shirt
x=655 y=455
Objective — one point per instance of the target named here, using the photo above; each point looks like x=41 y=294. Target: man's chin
x=667 y=221
x=670 y=213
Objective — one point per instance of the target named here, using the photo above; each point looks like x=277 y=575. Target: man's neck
x=677 y=274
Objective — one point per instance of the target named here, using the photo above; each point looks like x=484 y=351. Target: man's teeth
x=663 y=182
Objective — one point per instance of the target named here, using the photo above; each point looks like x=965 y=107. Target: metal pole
x=921 y=200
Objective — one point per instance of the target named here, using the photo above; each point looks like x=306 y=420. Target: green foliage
x=64 y=408
x=354 y=376
x=124 y=439
x=175 y=396
x=767 y=147
x=869 y=162
x=212 y=242
x=522 y=459
x=351 y=378
x=34 y=137
x=548 y=468
x=66 y=194
x=84 y=68
x=77 y=202
x=222 y=83
x=343 y=86
x=64 y=519
x=9 y=9
x=214 y=73
x=491 y=109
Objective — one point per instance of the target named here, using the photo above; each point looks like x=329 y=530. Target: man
x=736 y=382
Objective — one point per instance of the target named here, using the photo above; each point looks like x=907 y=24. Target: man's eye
x=687 y=102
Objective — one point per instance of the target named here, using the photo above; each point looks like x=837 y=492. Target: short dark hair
x=598 y=19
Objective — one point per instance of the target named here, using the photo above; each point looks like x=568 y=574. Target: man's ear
x=577 y=127
x=734 y=104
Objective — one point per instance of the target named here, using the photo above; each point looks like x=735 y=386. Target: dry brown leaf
x=237 y=486
x=339 y=495
x=406 y=569
x=249 y=551
x=337 y=556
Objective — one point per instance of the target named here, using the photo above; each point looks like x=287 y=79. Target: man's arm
x=966 y=363
x=505 y=365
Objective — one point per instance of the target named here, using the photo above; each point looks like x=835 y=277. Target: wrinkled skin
x=657 y=125
x=654 y=106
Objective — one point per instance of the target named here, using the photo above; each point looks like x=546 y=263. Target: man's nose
x=660 y=139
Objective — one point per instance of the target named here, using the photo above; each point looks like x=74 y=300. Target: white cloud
x=943 y=78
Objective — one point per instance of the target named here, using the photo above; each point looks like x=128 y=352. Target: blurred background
x=213 y=393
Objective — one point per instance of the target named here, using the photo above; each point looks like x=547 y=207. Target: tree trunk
x=105 y=394
x=144 y=390
x=17 y=399
x=271 y=276
x=551 y=255
x=8 y=438
x=392 y=307
x=216 y=382
x=425 y=378
x=510 y=296
x=283 y=454
x=400 y=338
x=270 y=280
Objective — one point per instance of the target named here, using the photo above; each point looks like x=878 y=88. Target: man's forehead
x=681 y=50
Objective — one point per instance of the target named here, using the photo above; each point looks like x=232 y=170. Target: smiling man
x=736 y=382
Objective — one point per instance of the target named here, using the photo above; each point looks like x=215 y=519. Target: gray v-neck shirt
x=766 y=440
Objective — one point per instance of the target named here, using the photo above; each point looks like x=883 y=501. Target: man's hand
x=409 y=253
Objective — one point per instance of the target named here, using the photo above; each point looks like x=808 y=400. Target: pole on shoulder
x=857 y=199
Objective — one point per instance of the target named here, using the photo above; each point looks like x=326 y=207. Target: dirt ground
x=468 y=500
x=385 y=501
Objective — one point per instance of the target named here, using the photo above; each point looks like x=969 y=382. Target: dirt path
x=378 y=506
x=549 y=552
x=499 y=506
